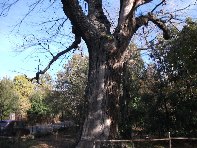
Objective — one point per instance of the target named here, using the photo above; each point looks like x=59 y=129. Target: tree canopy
x=169 y=91
x=9 y=99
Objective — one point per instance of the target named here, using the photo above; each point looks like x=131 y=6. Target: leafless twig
x=158 y=5
x=6 y=7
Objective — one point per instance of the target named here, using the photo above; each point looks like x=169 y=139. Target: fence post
x=133 y=146
x=94 y=144
x=170 y=142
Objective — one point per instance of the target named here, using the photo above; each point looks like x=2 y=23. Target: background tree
x=168 y=88
x=68 y=96
x=132 y=72
x=24 y=88
x=9 y=99
x=177 y=65
x=39 y=112
x=149 y=110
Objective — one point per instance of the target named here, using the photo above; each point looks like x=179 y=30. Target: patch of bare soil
x=55 y=141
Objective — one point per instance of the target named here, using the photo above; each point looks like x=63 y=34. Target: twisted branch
x=72 y=46
x=143 y=20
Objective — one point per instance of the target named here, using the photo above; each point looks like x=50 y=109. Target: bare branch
x=158 y=5
x=6 y=7
x=73 y=45
x=94 y=6
x=74 y=12
x=125 y=10
x=47 y=49
x=141 y=2
x=143 y=20
x=128 y=7
x=160 y=24
x=96 y=13
x=31 y=8
x=50 y=21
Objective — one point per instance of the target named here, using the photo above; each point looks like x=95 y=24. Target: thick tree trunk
x=103 y=95
x=106 y=53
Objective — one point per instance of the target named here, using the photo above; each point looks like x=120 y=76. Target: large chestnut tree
x=107 y=46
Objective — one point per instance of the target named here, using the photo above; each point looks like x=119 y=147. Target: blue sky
x=14 y=62
x=11 y=62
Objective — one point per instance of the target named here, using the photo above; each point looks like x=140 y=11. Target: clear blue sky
x=13 y=63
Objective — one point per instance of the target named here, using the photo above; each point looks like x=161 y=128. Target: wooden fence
x=169 y=138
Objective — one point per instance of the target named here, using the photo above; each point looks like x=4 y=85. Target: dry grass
x=49 y=141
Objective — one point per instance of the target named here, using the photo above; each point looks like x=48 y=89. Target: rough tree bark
x=107 y=53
